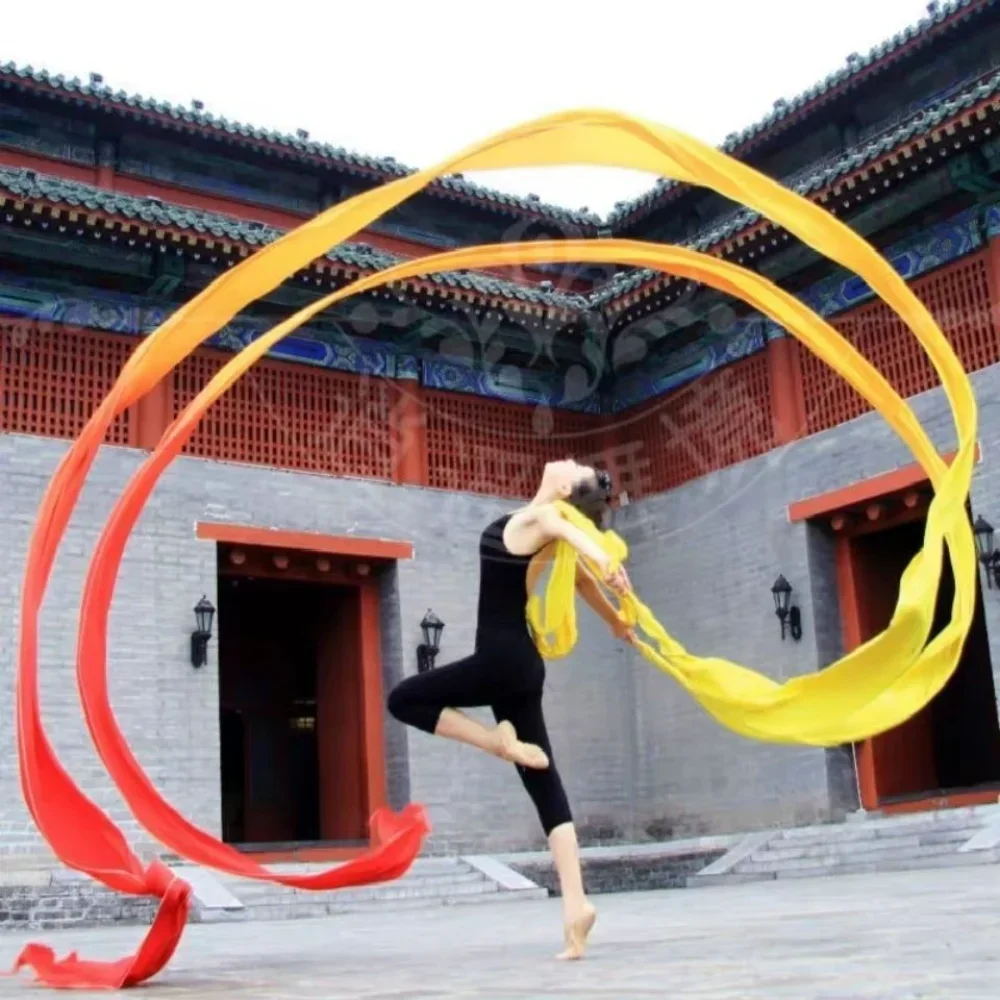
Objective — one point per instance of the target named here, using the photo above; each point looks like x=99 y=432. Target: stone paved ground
x=909 y=935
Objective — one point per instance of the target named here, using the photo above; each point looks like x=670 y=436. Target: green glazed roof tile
x=29 y=185
x=937 y=14
x=817 y=179
x=383 y=167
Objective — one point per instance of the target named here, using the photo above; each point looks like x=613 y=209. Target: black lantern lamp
x=788 y=614
x=204 y=612
x=986 y=548
x=432 y=627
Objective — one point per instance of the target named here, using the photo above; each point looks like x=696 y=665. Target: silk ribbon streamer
x=84 y=838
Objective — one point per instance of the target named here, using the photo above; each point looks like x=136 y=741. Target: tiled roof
x=937 y=14
x=31 y=186
x=386 y=167
x=154 y=211
x=920 y=124
x=383 y=167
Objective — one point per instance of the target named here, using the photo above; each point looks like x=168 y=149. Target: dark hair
x=592 y=497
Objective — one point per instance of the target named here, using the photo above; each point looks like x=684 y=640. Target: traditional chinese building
x=338 y=490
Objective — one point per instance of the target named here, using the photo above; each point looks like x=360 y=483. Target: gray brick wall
x=704 y=557
x=639 y=758
x=169 y=711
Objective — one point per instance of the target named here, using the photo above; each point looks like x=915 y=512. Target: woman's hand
x=616 y=579
x=624 y=632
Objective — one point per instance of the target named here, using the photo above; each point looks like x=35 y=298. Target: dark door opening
x=290 y=690
x=953 y=744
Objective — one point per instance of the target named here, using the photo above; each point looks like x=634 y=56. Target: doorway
x=292 y=713
x=951 y=748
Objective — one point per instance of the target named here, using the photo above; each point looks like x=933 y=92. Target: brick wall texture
x=640 y=758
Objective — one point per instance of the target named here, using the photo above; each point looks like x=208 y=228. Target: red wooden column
x=409 y=433
x=153 y=413
x=849 y=595
x=993 y=278
x=340 y=720
x=107 y=156
x=609 y=448
x=372 y=706
x=788 y=404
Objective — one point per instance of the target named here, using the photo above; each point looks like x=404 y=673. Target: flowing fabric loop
x=874 y=687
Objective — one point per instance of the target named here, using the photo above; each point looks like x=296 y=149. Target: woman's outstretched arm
x=589 y=589
x=558 y=528
x=591 y=592
x=537 y=526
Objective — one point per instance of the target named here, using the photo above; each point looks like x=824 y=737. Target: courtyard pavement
x=903 y=935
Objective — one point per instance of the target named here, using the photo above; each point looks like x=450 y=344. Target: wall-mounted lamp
x=204 y=612
x=988 y=554
x=788 y=614
x=432 y=627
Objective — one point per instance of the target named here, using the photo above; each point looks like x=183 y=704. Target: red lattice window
x=291 y=417
x=959 y=298
x=52 y=378
x=709 y=424
x=498 y=448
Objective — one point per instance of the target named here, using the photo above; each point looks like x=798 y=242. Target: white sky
x=419 y=79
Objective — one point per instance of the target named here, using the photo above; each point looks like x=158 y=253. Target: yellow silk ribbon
x=873 y=688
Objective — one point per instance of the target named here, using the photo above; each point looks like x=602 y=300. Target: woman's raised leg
x=430 y=702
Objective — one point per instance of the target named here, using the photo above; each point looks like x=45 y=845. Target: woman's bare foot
x=577 y=931
x=513 y=750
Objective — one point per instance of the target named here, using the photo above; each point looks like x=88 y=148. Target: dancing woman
x=506 y=671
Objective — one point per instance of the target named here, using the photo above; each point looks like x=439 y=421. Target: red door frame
x=364 y=550
x=847 y=593
x=828 y=506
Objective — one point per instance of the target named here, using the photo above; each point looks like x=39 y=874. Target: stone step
x=780 y=850
x=974 y=817
x=890 y=824
x=490 y=895
x=28 y=862
x=422 y=866
x=30 y=908
x=889 y=864
x=857 y=834
x=783 y=866
x=278 y=913
x=389 y=891
x=305 y=906
x=34 y=877
x=948 y=860
x=250 y=891
x=430 y=882
x=729 y=878
x=53 y=899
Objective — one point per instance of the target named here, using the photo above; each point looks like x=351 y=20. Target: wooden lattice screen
x=959 y=298
x=291 y=417
x=296 y=417
x=53 y=377
x=499 y=448
x=709 y=424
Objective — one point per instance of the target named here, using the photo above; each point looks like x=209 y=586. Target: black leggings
x=507 y=676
